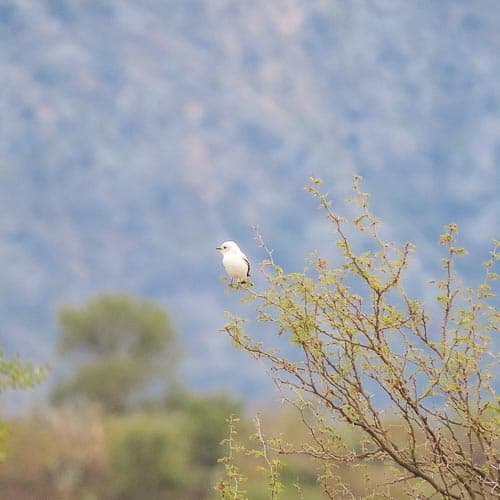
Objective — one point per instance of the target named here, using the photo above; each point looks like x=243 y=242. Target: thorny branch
x=436 y=386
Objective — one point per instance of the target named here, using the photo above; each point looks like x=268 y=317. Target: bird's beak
x=218 y=248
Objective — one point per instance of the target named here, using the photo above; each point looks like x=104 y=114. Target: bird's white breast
x=236 y=266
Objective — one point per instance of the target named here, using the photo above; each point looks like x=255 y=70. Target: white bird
x=235 y=261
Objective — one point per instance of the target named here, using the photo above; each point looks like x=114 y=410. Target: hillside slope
x=135 y=136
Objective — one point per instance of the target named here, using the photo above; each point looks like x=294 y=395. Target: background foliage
x=121 y=347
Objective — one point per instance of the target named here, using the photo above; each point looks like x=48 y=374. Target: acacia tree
x=414 y=379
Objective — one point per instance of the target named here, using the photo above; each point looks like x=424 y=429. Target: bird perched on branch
x=235 y=261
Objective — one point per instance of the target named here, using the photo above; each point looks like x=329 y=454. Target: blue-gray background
x=136 y=135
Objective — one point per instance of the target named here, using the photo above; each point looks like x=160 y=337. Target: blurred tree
x=207 y=414
x=149 y=456
x=413 y=379
x=56 y=454
x=161 y=451
x=123 y=349
x=16 y=374
x=170 y=453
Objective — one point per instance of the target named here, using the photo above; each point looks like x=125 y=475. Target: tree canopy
x=122 y=347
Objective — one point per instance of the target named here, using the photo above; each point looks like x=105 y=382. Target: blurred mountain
x=135 y=136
